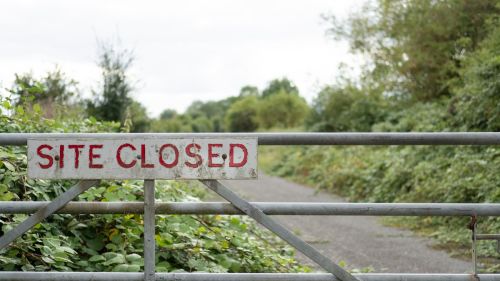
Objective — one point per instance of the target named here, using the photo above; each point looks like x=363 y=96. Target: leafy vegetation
x=416 y=47
x=113 y=101
x=114 y=242
x=282 y=110
x=279 y=106
x=55 y=94
x=432 y=66
x=475 y=106
x=242 y=115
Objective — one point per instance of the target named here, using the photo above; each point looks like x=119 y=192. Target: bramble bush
x=405 y=174
x=115 y=242
x=438 y=174
x=464 y=97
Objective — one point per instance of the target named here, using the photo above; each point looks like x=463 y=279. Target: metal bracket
x=46 y=211
x=490 y=237
x=257 y=214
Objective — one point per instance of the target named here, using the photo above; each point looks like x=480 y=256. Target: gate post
x=149 y=230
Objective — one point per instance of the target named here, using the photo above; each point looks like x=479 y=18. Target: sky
x=184 y=50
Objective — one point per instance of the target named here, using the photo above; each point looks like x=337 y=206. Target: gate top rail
x=291 y=138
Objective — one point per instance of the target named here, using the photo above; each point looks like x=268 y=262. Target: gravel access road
x=359 y=241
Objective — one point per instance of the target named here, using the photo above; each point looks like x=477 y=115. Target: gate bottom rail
x=139 y=276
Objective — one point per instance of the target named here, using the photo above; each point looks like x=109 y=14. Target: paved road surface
x=359 y=241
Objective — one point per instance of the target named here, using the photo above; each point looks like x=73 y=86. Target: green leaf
x=6 y=104
x=126 y=268
x=120 y=268
x=133 y=268
x=48 y=260
x=116 y=260
x=68 y=250
x=109 y=255
x=97 y=258
x=37 y=108
x=9 y=166
x=133 y=257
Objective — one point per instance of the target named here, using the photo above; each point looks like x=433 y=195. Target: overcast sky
x=185 y=50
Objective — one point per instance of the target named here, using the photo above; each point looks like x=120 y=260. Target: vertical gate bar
x=149 y=230
x=474 y=246
x=46 y=211
x=279 y=230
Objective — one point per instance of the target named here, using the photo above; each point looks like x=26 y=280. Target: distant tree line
x=58 y=96
x=278 y=106
x=421 y=56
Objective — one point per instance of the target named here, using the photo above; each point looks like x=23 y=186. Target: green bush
x=345 y=108
x=476 y=105
x=114 y=242
x=405 y=174
x=242 y=115
x=282 y=110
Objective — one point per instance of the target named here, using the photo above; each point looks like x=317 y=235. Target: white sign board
x=143 y=158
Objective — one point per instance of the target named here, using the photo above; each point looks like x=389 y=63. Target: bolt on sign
x=143 y=158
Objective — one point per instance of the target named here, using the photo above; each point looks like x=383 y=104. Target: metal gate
x=261 y=212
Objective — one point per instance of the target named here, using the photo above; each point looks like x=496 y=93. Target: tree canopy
x=415 y=47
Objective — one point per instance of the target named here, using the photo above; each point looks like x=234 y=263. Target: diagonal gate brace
x=279 y=230
x=46 y=211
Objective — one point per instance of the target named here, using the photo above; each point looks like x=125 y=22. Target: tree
x=249 y=91
x=345 y=108
x=242 y=115
x=168 y=114
x=282 y=110
x=277 y=86
x=114 y=96
x=55 y=93
x=138 y=116
x=213 y=111
x=476 y=106
x=176 y=124
x=416 y=47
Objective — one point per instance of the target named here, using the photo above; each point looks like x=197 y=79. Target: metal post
x=46 y=211
x=472 y=226
x=279 y=230
x=149 y=230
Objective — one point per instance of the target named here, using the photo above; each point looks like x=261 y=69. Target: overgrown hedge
x=115 y=242
x=444 y=174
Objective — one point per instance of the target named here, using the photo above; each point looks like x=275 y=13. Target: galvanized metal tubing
x=488 y=237
x=269 y=208
x=149 y=230
x=126 y=276
x=285 y=234
x=299 y=138
x=45 y=211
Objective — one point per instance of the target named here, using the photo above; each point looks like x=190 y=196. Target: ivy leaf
x=116 y=260
x=9 y=166
x=48 y=260
x=97 y=258
x=68 y=250
x=126 y=268
x=133 y=257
